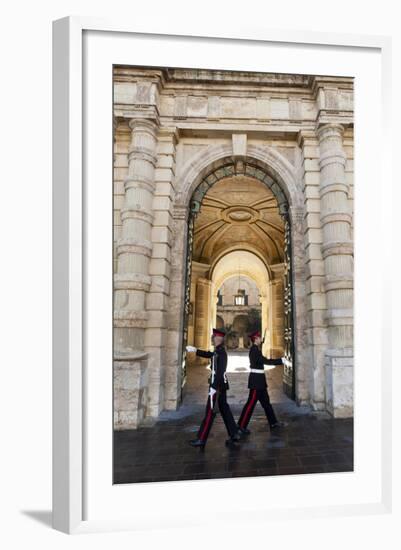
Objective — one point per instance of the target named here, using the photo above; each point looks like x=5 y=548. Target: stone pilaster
x=302 y=352
x=175 y=312
x=202 y=322
x=277 y=311
x=122 y=139
x=132 y=280
x=213 y=304
x=266 y=325
x=163 y=381
x=337 y=252
x=314 y=267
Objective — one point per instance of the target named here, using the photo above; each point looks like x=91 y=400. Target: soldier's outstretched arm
x=267 y=361
x=199 y=352
x=203 y=353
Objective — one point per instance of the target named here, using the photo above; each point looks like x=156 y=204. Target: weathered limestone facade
x=181 y=135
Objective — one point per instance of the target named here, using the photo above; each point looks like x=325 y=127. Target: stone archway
x=277 y=174
x=273 y=165
x=258 y=272
x=266 y=164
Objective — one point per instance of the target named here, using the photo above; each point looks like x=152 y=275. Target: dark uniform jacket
x=219 y=359
x=257 y=380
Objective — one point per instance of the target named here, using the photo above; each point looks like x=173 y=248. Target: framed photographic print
x=213 y=207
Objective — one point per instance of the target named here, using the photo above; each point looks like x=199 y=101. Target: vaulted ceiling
x=238 y=212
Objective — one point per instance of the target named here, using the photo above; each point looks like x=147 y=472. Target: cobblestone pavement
x=308 y=443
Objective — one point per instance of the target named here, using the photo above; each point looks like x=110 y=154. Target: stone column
x=301 y=349
x=277 y=311
x=132 y=280
x=175 y=311
x=191 y=330
x=337 y=252
x=202 y=332
x=315 y=292
x=265 y=325
x=213 y=305
x=162 y=380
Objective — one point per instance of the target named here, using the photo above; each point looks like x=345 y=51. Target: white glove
x=191 y=348
x=212 y=391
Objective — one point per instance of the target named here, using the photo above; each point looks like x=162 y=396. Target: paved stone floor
x=308 y=443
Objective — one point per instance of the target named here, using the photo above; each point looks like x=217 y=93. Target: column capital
x=331 y=148
x=328 y=130
x=144 y=121
x=277 y=272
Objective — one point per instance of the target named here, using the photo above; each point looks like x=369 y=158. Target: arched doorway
x=245 y=269
x=240 y=209
x=238 y=304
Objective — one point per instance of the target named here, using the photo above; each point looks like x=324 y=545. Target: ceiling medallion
x=240 y=215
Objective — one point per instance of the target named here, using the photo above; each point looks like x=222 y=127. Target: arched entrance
x=238 y=209
x=246 y=271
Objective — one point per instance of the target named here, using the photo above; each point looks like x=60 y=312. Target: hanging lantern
x=239 y=298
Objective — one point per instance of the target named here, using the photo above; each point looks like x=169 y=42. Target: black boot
x=277 y=425
x=197 y=443
x=237 y=435
x=232 y=443
x=244 y=431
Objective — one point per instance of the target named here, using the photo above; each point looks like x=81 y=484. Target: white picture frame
x=73 y=475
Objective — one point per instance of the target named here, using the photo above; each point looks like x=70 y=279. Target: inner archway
x=238 y=305
x=236 y=271
x=238 y=226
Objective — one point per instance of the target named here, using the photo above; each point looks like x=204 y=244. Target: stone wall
x=172 y=127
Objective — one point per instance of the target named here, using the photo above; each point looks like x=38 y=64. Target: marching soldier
x=258 y=386
x=218 y=386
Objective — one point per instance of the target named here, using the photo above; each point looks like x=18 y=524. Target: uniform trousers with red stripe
x=254 y=396
x=210 y=414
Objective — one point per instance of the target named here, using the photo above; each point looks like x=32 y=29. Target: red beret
x=218 y=332
x=254 y=335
